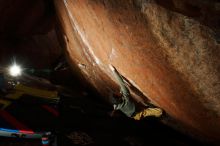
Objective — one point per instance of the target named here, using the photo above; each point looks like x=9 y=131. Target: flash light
x=15 y=70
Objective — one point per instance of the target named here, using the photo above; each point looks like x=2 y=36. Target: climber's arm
x=123 y=89
x=126 y=105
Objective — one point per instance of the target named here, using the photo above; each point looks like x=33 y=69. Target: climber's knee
x=155 y=112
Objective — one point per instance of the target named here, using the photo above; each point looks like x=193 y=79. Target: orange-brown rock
x=169 y=53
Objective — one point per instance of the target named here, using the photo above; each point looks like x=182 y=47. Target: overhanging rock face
x=168 y=53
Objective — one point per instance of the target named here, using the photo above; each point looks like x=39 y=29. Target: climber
x=127 y=106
